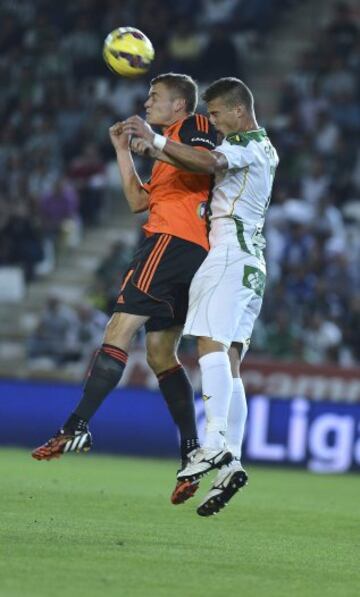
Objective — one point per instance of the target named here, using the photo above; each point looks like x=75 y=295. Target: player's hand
x=142 y=147
x=119 y=138
x=137 y=127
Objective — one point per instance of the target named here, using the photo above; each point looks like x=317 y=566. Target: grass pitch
x=104 y=526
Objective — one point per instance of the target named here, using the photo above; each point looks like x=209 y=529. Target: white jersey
x=241 y=193
x=226 y=292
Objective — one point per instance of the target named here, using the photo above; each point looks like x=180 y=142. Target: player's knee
x=160 y=360
x=113 y=328
x=235 y=353
x=207 y=345
x=121 y=328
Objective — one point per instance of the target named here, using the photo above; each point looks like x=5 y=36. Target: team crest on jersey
x=254 y=279
x=201 y=210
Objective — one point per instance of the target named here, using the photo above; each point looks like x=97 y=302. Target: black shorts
x=158 y=279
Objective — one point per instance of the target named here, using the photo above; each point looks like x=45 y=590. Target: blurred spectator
x=322 y=339
x=316 y=183
x=82 y=45
x=21 y=239
x=338 y=80
x=87 y=171
x=86 y=335
x=70 y=117
x=345 y=111
x=326 y=134
x=352 y=327
x=109 y=275
x=297 y=248
x=53 y=337
x=281 y=337
x=311 y=105
x=220 y=57
x=342 y=31
x=66 y=334
x=217 y=12
x=184 y=48
x=57 y=207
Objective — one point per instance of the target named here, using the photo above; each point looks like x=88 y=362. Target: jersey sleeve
x=237 y=156
x=198 y=131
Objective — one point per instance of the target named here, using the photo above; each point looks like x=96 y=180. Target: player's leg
x=209 y=316
x=169 y=282
x=231 y=477
x=217 y=386
x=175 y=386
x=238 y=406
x=104 y=375
x=133 y=308
x=108 y=365
x=219 y=296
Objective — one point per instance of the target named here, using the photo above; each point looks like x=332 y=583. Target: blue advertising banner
x=321 y=436
x=131 y=421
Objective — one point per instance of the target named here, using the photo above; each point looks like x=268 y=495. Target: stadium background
x=66 y=236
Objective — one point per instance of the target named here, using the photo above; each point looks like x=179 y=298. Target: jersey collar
x=247 y=136
x=170 y=129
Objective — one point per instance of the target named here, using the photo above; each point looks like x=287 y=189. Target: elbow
x=138 y=207
x=212 y=169
x=218 y=165
x=214 y=165
x=138 y=210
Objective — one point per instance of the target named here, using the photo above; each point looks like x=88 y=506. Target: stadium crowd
x=56 y=161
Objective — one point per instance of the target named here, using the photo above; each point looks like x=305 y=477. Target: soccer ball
x=128 y=52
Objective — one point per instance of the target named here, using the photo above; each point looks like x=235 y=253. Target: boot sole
x=213 y=505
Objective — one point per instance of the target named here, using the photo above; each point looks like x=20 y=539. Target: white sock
x=217 y=386
x=236 y=418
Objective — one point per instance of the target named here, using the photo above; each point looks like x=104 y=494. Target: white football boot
x=203 y=461
x=226 y=484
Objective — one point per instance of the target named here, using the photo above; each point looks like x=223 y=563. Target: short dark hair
x=183 y=85
x=232 y=90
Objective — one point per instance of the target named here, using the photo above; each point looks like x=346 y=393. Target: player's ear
x=239 y=110
x=179 y=104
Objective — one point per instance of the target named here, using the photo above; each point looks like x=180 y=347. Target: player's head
x=171 y=97
x=230 y=105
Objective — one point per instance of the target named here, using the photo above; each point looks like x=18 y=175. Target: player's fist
x=119 y=138
x=142 y=147
x=139 y=128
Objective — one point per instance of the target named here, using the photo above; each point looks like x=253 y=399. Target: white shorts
x=225 y=296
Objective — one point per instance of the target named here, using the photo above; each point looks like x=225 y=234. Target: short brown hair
x=232 y=90
x=183 y=85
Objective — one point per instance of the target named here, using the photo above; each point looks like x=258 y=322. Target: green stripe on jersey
x=245 y=137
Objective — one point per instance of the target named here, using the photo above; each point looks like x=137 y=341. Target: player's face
x=160 y=105
x=224 y=118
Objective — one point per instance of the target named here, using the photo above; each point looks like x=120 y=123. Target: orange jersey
x=177 y=200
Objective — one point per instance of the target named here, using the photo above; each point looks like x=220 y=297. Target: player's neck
x=250 y=124
x=175 y=119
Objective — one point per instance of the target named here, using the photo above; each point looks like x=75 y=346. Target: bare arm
x=135 y=194
x=193 y=159
x=208 y=162
x=146 y=149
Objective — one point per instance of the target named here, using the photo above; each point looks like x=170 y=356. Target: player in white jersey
x=226 y=292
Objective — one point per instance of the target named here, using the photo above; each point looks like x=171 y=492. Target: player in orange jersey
x=154 y=291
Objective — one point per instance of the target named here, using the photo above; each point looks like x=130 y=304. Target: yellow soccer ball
x=128 y=52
